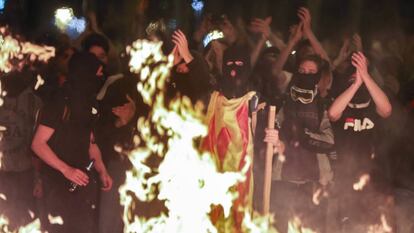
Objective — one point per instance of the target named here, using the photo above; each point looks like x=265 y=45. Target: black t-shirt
x=70 y=140
x=355 y=131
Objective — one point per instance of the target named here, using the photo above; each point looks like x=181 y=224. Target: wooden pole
x=268 y=166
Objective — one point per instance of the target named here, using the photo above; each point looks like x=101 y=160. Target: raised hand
x=261 y=26
x=180 y=40
x=77 y=176
x=204 y=28
x=345 y=49
x=305 y=17
x=344 y=53
x=297 y=32
x=361 y=64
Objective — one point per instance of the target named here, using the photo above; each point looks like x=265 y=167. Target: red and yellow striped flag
x=230 y=141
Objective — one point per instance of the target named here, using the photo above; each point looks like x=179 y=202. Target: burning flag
x=188 y=180
x=229 y=140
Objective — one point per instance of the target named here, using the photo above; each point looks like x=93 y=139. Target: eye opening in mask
x=239 y=63
x=303 y=95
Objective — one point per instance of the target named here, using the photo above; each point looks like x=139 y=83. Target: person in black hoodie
x=65 y=141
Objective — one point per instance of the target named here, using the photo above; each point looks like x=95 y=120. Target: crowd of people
x=333 y=117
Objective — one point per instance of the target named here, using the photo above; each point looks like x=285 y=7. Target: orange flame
x=187 y=179
x=363 y=181
x=12 y=49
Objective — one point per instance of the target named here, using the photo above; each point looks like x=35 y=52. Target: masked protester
x=356 y=115
x=229 y=136
x=234 y=82
x=65 y=141
x=301 y=166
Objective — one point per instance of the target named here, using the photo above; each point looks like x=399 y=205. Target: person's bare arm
x=285 y=53
x=95 y=154
x=305 y=16
x=263 y=28
x=45 y=153
x=276 y=41
x=341 y=102
x=344 y=52
x=382 y=104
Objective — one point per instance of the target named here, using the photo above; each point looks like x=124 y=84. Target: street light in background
x=2 y=5
x=67 y=22
x=198 y=6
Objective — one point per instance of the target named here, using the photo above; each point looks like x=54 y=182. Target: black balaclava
x=236 y=71
x=84 y=84
x=303 y=87
x=301 y=109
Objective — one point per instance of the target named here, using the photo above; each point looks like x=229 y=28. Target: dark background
x=116 y=17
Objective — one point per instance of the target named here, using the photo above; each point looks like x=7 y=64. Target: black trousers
x=78 y=209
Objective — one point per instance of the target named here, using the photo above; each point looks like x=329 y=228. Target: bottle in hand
x=73 y=186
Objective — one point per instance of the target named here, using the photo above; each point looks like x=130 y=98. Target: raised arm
x=45 y=153
x=284 y=54
x=305 y=16
x=263 y=27
x=382 y=104
x=341 y=102
x=346 y=49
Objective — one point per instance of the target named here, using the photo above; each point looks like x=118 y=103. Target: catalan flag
x=230 y=141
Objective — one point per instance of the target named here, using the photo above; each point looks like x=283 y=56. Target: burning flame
x=33 y=227
x=39 y=82
x=363 y=181
x=295 y=226
x=13 y=55
x=384 y=227
x=13 y=52
x=316 y=199
x=187 y=179
x=55 y=220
